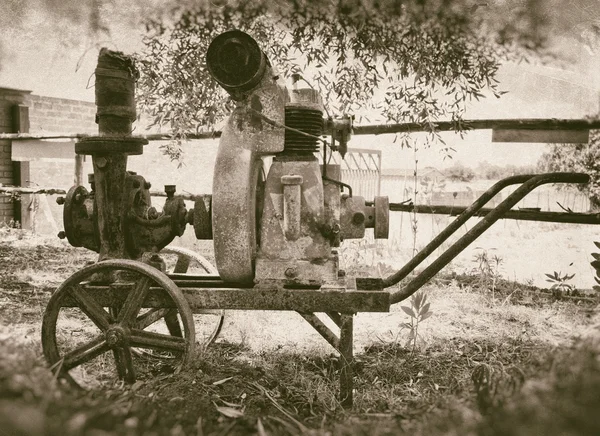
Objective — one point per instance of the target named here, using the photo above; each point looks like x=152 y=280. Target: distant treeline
x=485 y=170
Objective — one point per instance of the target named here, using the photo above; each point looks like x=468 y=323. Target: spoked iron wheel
x=208 y=322
x=80 y=333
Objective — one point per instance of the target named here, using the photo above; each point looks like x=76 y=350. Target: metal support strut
x=346 y=359
x=343 y=344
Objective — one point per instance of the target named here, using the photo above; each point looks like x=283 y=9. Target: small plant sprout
x=560 y=282
x=488 y=269
x=418 y=311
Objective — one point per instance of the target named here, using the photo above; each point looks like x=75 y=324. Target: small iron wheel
x=208 y=322
x=78 y=332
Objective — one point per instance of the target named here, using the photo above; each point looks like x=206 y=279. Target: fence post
x=21 y=171
x=78 y=180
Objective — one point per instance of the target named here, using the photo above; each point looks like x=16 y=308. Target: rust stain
x=255 y=119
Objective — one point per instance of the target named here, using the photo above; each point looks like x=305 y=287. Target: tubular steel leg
x=477 y=230
x=346 y=360
x=335 y=317
x=322 y=329
x=343 y=344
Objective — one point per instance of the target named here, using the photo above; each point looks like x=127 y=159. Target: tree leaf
x=408 y=311
x=417 y=299
x=426 y=315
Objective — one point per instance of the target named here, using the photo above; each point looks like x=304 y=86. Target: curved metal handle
x=486 y=222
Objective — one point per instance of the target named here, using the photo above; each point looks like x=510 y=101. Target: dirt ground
x=496 y=357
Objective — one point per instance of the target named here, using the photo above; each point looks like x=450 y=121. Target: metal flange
x=130 y=145
x=202 y=217
x=382 y=217
x=79 y=218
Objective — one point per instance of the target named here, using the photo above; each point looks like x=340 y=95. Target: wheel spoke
x=156 y=341
x=124 y=363
x=114 y=311
x=90 y=307
x=182 y=265
x=85 y=353
x=133 y=303
x=150 y=317
x=173 y=323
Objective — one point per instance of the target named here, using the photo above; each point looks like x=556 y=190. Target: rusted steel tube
x=476 y=231
x=346 y=359
x=20 y=190
x=322 y=329
x=335 y=317
x=381 y=129
x=115 y=102
x=115 y=93
x=522 y=215
x=522 y=124
x=454 y=226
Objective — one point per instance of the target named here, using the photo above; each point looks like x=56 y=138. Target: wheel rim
x=116 y=332
x=214 y=326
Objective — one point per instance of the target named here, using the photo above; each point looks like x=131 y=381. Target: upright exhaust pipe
x=236 y=62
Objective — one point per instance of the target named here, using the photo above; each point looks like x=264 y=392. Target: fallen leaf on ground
x=230 y=412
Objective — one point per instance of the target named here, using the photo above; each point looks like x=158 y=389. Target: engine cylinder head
x=303 y=113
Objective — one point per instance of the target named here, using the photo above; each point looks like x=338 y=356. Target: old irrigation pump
x=275 y=236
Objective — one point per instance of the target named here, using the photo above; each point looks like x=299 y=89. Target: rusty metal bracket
x=485 y=223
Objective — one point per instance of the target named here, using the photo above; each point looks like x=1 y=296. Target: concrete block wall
x=60 y=115
x=6 y=177
x=47 y=115
x=8 y=99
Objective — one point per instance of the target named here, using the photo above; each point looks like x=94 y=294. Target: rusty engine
x=282 y=228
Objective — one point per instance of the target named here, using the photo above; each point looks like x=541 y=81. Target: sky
x=59 y=62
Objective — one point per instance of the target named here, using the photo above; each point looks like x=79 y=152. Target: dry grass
x=494 y=363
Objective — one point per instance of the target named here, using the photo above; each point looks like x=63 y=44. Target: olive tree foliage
x=582 y=158
x=405 y=61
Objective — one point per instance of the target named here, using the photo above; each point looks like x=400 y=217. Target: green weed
x=488 y=269
x=418 y=311
x=560 y=283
